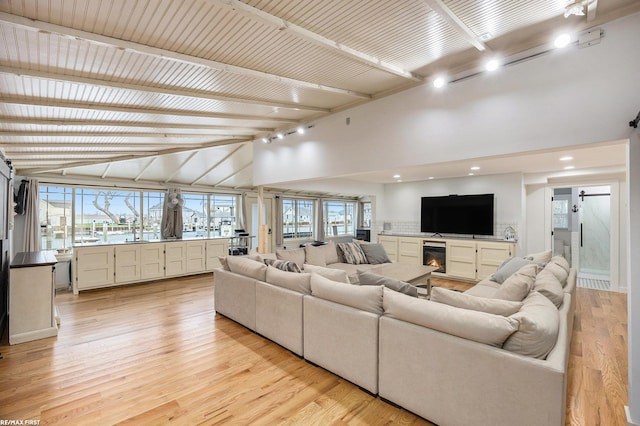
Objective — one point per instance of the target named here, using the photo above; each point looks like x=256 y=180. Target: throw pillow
x=509 y=268
x=474 y=303
x=558 y=267
x=283 y=265
x=315 y=256
x=472 y=325
x=333 y=274
x=518 y=285
x=247 y=267
x=542 y=257
x=294 y=255
x=370 y=278
x=366 y=298
x=299 y=282
x=352 y=253
x=549 y=286
x=223 y=262
x=330 y=253
x=539 y=324
x=375 y=253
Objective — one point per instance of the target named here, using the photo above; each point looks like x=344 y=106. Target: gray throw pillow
x=509 y=268
x=370 y=278
x=375 y=253
x=283 y=265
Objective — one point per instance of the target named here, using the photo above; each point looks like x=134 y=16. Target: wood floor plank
x=158 y=353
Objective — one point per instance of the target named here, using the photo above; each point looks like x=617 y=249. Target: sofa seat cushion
x=539 y=324
x=247 y=267
x=472 y=325
x=365 y=298
x=299 y=282
x=518 y=285
x=371 y=278
x=474 y=303
x=333 y=274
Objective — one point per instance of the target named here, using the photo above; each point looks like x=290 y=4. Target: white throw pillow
x=315 y=256
x=366 y=298
x=518 y=285
x=472 y=325
x=539 y=324
x=548 y=285
x=333 y=274
x=540 y=257
x=247 y=267
x=474 y=303
x=558 y=266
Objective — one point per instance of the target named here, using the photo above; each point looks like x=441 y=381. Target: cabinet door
x=461 y=259
x=196 y=256
x=175 y=258
x=215 y=249
x=490 y=256
x=410 y=250
x=94 y=267
x=390 y=245
x=127 y=263
x=151 y=261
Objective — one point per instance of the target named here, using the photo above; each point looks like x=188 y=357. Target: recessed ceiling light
x=280 y=136
x=470 y=174
x=492 y=65
x=439 y=82
x=396 y=176
x=566 y=158
x=562 y=40
x=430 y=177
x=569 y=168
x=399 y=180
x=300 y=130
x=475 y=168
x=265 y=140
x=486 y=36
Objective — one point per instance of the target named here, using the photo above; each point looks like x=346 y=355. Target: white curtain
x=320 y=220
x=241 y=220
x=32 y=223
x=171 y=225
x=279 y=222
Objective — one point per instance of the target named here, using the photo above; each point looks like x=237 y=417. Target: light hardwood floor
x=157 y=353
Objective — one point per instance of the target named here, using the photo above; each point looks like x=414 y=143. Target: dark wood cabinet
x=6 y=197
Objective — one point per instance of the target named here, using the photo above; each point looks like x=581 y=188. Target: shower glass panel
x=595 y=222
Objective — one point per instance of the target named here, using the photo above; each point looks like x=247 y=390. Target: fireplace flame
x=434 y=263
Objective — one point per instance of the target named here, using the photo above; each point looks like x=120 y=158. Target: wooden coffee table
x=417 y=275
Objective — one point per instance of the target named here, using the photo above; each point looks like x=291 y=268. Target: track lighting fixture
x=280 y=135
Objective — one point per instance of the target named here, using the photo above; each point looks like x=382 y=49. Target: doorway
x=252 y=219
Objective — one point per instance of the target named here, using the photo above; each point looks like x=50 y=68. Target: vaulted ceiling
x=176 y=91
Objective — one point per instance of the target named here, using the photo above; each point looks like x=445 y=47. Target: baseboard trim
x=629 y=422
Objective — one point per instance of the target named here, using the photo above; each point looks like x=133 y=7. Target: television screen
x=458 y=214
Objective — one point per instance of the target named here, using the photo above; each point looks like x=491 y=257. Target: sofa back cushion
x=300 y=282
x=247 y=267
x=539 y=324
x=365 y=298
x=508 y=268
x=332 y=274
x=518 y=285
x=559 y=267
x=548 y=285
x=541 y=257
x=371 y=278
x=472 y=325
x=474 y=303
x=294 y=255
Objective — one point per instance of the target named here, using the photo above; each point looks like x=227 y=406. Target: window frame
x=295 y=223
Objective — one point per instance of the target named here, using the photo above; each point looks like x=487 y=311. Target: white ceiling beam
x=62 y=155
x=129 y=124
x=212 y=168
x=592 y=7
x=167 y=55
x=137 y=110
x=20 y=134
x=452 y=19
x=106 y=170
x=237 y=172
x=15 y=145
x=118 y=85
x=135 y=157
x=184 y=163
x=144 y=169
x=316 y=38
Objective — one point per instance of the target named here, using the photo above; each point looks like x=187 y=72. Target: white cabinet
x=461 y=259
x=410 y=250
x=175 y=259
x=490 y=255
x=196 y=256
x=127 y=263
x=390 y=245
x=151 y=261
x=214 y=250
x=94 y=267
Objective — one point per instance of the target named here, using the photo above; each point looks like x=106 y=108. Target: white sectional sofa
x=448 y=364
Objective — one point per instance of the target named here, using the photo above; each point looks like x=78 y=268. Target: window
x=366 y=214
x=339 y=217
x=560 y=213
x=297 y=218
x=194 y=216
x=152 y=206
x=55 y=217
x=106 y=215
x=223 y=215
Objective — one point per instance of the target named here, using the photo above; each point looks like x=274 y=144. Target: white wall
x=402 y=201
x=569 y=97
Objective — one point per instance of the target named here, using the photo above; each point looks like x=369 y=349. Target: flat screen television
x=458 y=214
